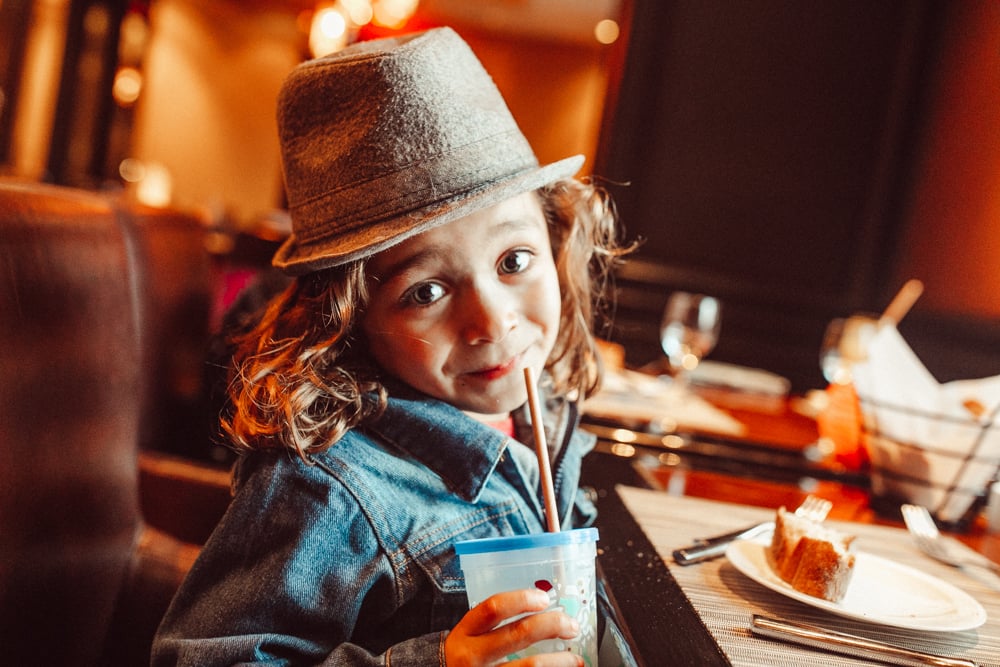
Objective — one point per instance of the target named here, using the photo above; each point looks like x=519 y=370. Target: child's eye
x=515 y=261
x=423 y=294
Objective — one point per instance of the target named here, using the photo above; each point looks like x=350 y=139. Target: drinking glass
x=688 y=331
x=835 y=368
x=845 y=343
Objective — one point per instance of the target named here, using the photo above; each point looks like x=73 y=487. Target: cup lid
x=516 y=542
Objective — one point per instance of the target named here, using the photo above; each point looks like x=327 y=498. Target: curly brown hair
x=302 y=378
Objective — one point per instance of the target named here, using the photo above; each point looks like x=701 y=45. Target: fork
x=813 y=508
x=925 y=533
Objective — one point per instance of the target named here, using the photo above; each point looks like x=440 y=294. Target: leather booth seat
x=103 y=308
x=174 y=286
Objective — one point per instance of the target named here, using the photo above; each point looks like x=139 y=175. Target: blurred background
x=798 y=160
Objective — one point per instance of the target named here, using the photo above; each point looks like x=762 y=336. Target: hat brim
x=296 y=259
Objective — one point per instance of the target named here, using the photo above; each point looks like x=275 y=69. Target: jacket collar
x=460 y=450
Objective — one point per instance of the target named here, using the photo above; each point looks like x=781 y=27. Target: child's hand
x=477 y=640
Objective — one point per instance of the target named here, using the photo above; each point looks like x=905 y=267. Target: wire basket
x=943 y=462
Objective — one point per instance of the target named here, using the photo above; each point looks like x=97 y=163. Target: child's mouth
x=495 y=372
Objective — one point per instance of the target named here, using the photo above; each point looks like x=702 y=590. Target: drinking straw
x=902 y=302
x=542 y=450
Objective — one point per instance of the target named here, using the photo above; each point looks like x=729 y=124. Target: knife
x=740 y=534
x=713 y=547
x=859 y=647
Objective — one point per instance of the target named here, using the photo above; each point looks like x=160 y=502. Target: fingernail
x=574 y=625
x=541 y=597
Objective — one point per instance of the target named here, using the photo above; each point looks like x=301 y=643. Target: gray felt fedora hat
x=389 y=138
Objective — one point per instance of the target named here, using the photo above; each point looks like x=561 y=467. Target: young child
x=379 y=406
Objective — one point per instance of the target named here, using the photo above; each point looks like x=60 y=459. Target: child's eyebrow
x=434 y=253
x=517 y=224
x=425 y=256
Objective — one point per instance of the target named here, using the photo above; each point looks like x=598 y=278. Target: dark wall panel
x=765 y=146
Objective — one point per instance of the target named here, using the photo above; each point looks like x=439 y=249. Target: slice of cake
x=812 y=558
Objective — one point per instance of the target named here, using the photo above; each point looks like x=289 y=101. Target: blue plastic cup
x=561 y=564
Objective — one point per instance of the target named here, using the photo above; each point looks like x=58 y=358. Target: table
x=725 y=599
x=769 y=468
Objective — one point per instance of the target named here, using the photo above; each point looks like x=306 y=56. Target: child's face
x=459 y=311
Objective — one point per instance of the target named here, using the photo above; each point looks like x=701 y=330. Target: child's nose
x=489 y=314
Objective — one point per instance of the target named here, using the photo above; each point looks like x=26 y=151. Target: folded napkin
x=931 y=444
x=628 y=396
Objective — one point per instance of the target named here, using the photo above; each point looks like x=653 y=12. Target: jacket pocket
x=433 y=551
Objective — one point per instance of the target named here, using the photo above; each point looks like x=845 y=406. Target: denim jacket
x=350 y=561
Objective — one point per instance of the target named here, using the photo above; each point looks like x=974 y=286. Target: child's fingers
x=493 y=647
x=500 y=607
x=477 y=640
x=526 y=631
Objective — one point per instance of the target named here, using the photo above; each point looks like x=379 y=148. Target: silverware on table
x=813 y=508
x=925 y=533
x=741 y=534
x=839 y=642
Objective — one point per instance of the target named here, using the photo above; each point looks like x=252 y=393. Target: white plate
x=881 y=591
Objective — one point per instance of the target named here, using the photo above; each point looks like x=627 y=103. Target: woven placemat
x=725 y=599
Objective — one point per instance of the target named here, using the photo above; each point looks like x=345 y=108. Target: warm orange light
x=359 y=11
x=150 y=182
x=328 y=32
x=131 y=170
x=330 y=23
x=394 y=13
x=127 y=86
x=607 y=31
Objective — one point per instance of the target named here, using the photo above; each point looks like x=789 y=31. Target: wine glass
x=845 y=343
x=688 y=331
x=835 y=368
